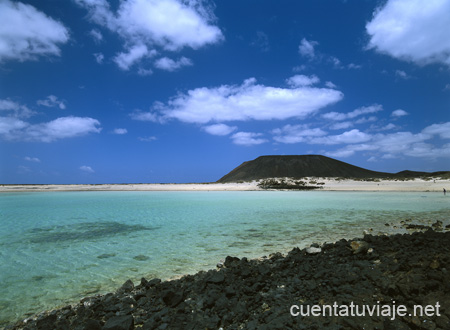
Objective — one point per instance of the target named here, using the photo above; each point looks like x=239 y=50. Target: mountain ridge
x=298 y=166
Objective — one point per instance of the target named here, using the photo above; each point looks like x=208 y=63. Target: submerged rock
x=106 y=255
x=141 y=257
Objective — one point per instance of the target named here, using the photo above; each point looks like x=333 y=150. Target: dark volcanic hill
x=303 y=166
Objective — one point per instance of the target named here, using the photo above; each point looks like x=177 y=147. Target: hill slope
x=303 y=166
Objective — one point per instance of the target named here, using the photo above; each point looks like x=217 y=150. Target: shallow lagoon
x=56 y=247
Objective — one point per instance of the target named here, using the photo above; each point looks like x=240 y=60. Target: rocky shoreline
x=276 y=292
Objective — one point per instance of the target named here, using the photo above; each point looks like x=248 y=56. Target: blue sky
x=96 y=91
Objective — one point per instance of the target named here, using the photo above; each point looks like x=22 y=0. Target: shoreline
x=326 y=184
x=375 y=269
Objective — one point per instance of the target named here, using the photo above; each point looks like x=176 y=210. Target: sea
x=58 y=247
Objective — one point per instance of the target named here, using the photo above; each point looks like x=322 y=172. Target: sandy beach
x=329 y=184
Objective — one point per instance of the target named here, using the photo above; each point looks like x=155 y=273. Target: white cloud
x=145 y=72
x=306 y=48
x=342 y=125
x=402 y=74
x=355 y=113
x=32 y=159
x=52 y=101
x=147 y=138
x=341 y=153
x=87 y=169
x=96 y=35
x=399 y=113
x=9 y=125
x=248 y=101
x=443 y=130
x=146 y=116
x=299 y=68
x=329 y=84
x=247 y=138
x=335 y=61
x=120 y=131
x=99 y=57
x=60 y=128
x=354 y=66
x=348 y=137
x=296 y=133
x=148 y=24
x=16 y=110
x=400 y=144
x=219 y=129
x=388 y=127
x=302 y=80
x=366 y=120
x=412 y=30
x=134 y=54
x=26 y=33
x=168 y=64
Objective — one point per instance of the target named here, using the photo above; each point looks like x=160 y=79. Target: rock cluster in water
x=409 y=269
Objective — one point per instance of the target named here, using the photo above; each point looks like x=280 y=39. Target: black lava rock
x=410 y=269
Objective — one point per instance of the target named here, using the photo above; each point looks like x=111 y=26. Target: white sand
x=386 y=185
x=331 y=184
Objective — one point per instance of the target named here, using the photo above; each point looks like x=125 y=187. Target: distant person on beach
x=445 y=191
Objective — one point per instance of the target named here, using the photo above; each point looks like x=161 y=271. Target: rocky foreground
x=379 y=272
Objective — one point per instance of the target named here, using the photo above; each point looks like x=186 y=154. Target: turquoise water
x=56 y=247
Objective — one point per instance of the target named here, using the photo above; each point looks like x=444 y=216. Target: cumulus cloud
x=120 y=131
x=146 y=25
x=248 y=101
x=306 y=48
x=302 y=80
x=296 y=133
x=15 y=109
x=26 y=33
x=248 y=138
x=133 y=54
x=168 y=64
x=443 y=130
x=355 y=113
x=65 y=127
x=399 y=113
x=219 y=129
x=378 y=145
x=399 y=144
x=87 y=169
x=9 y=125
x=147 y=116
x=412 y=30
x=353 y=136
x=52 y=101
x=341 y=125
